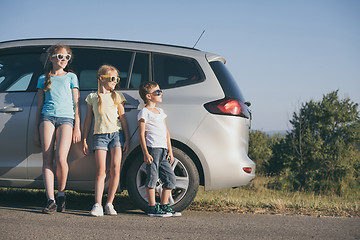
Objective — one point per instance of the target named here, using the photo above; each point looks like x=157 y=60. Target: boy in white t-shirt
x=157 y=150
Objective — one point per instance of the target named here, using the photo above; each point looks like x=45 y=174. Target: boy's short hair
x=145 y=88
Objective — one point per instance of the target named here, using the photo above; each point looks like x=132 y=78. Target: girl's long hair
x=49 y=66
x=104 y=70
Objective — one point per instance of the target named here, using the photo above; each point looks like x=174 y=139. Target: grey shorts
x=106 y=141
x=57 y=121
x=159 y=168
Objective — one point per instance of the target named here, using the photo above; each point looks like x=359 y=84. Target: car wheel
x=186 y=187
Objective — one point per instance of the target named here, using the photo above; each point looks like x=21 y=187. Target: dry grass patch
x=256 y=198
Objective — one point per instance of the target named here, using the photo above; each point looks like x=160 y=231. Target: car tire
x=186 y=187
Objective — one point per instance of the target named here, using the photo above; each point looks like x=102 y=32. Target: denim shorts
x=159 y=168
x=106 y=141
x=57 y=121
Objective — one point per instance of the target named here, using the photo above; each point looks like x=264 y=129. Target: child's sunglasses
x=112 y=79
x=62 y=56
x=157 y=92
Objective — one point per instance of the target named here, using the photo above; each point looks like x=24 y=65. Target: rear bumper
x=221 y=143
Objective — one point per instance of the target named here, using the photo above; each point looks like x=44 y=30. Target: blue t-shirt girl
x=57 y=123
x=59 y=101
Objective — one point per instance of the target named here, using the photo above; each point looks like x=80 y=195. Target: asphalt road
x=30 y=223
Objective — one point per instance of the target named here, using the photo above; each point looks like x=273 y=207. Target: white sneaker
x=97 y=210
x=167 y=208
x=109 y=209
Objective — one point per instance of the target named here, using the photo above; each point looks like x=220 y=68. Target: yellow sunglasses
x=112 y=79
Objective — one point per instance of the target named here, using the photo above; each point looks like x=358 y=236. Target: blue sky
x=282 y=52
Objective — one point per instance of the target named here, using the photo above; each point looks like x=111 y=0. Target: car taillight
x=247 y=169
x=228 y=106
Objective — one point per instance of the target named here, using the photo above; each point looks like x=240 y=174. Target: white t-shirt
x=155 y=129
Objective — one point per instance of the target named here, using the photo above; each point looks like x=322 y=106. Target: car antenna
x=198 y=39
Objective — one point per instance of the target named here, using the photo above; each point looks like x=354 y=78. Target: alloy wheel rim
x=181 y=185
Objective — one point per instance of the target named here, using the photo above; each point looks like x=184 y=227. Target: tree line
x=320 y=153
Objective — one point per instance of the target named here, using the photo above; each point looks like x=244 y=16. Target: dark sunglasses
x=157 y=92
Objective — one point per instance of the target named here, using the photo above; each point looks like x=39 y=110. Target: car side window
x=17 y=71
x=140 y=71
x=86 y=63
x=21 y=84
x=173 y=71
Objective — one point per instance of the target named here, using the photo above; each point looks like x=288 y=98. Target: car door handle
x=11 y=109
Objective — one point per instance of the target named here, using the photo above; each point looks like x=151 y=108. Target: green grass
x=255 y=198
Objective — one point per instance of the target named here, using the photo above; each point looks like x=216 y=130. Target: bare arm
x=87 y=125
x=77 y=132
x=40 y=104
x=170 y=155
x=125 y=128
x=147 y=157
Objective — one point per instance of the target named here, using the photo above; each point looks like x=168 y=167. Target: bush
x=321 y=152
x=260 y=149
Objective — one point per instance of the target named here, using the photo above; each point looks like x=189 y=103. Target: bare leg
x=114 y=173
x=47 y=137
x=151 y=196
x=63 y=143
x=165 y=196
x=100 y=157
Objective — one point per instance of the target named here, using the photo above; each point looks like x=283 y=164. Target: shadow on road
x=26 y=200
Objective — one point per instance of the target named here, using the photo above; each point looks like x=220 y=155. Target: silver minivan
x=208 y=118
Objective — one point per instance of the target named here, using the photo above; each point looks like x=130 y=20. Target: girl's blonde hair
x=104 y=70
x=49 y=66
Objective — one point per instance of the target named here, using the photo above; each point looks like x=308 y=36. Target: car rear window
x=226 y=80
x=174 y=71
x=140 y=70
x=87 y=61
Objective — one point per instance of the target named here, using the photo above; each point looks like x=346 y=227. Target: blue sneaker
x=156 y=211
x=167 y=208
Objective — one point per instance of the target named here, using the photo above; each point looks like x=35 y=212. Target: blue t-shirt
x=59 y=99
